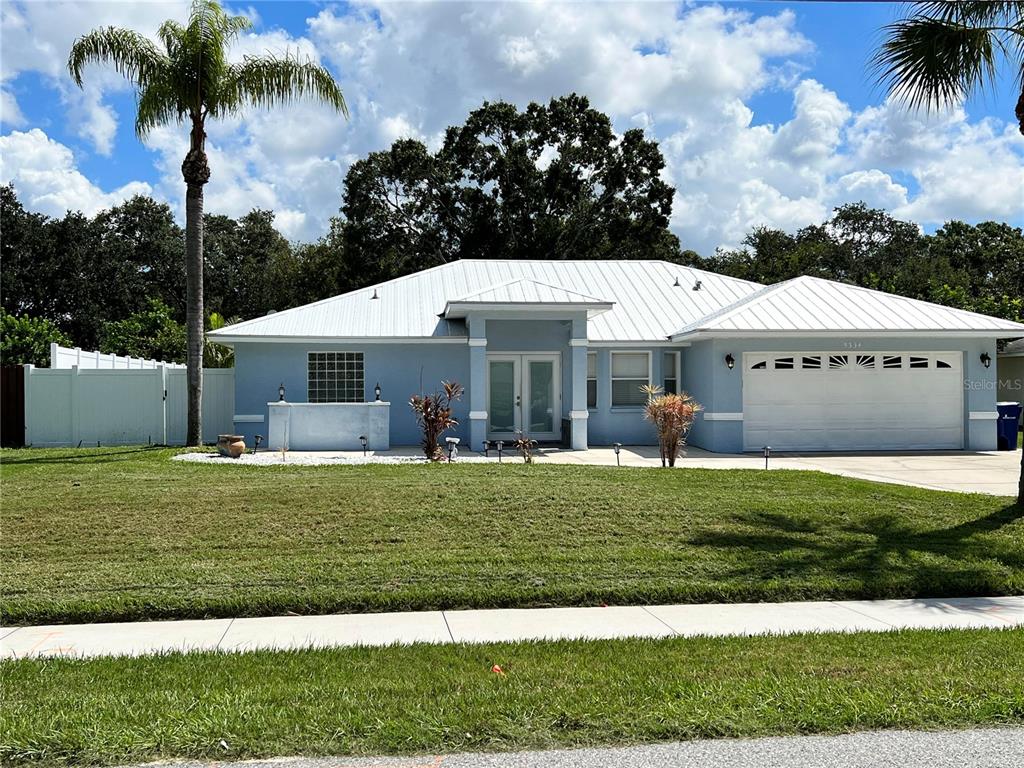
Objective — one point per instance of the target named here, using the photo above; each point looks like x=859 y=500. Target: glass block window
x=591 y=379
x=630 y=372
x=335 y=377
x=670 y=373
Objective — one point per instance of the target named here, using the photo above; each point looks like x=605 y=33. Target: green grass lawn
x=431 y=699
x=125 y=533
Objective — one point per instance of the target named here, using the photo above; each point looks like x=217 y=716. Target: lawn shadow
x=79 y=455
x=883 y=552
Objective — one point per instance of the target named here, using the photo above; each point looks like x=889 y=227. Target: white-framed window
x=670 y=373
x=335 y=377
x=630 y=372
x=591 y=380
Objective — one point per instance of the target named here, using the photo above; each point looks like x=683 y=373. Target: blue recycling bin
x=1006 y=425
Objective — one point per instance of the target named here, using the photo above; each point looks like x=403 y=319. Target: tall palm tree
x=946 y=50
x=188 y=78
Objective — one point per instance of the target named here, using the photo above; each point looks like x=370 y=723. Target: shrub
x=672 y=416
x=27 y=340
x=525 y=446
x=434 y=415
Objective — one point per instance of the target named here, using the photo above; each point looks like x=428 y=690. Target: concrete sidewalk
x=484 y=626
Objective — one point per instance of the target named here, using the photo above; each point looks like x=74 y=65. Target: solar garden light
x=363 y=440
x=986 y=359
x=487 y=447
x=453 y=448
x=617 y=447
x=767 y=452
x=259 y=439
x=280 y=393
x=501 y=445
x=376 y=392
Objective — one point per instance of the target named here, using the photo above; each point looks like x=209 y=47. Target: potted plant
x=672 y=417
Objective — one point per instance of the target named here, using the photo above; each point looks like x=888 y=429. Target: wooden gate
x=12 y=406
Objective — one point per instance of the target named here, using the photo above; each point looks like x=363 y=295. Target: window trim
x=360 y=352
x=596 y=379
x=612 y=377
x=677 y=368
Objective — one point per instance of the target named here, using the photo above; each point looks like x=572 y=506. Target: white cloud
x=10 y=112
x=47 y=180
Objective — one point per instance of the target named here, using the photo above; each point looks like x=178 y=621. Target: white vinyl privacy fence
x=119 y=406
x=68 y=357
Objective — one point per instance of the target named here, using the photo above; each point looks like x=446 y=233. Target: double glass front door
x=523 y=395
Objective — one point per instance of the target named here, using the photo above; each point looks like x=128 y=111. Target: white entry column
x=578 y=413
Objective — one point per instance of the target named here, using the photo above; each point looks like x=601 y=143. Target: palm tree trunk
x=196 y=172
x=1019 y=111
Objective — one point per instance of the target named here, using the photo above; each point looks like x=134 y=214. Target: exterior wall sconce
x=986 y=359
x=363 y=440
x=767 y=453
x=376 y=392
x=730 y=361
x=617 y=447
x=280 y=393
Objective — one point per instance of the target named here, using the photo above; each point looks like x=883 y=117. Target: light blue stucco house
x=560 y=350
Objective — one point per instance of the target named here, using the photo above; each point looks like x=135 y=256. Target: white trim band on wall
x=983 y=415
x=478 y=414
x=248 y=418
x=723 y=416
x=578 y=342
x=579 y=414
x=478 y=342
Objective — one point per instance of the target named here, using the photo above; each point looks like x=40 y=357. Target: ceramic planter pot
x=231 y=445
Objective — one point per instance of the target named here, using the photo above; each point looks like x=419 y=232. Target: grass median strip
x=433 y=699
x=115 y=534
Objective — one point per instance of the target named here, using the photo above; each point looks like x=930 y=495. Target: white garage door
x=843 y=401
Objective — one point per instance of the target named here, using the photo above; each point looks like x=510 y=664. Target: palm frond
x=933 y=62
x=266 y=81
x=159 y=103
x=133 y=55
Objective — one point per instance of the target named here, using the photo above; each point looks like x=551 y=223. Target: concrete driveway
x=991 y=472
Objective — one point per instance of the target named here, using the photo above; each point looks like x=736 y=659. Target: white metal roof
x=649 y=300
x=814 y=305
x=525 y=293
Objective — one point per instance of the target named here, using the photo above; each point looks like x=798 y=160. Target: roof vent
x=375 y=296
x=676 y=283
x=271 y=311
x=696 y=286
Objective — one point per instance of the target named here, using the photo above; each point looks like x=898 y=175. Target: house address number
x=853 y=345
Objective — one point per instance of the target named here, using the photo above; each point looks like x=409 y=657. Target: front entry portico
x=524 y=396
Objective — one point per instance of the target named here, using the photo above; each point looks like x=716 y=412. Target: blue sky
x=766 y=112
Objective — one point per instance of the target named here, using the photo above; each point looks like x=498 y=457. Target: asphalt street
x=982 y=748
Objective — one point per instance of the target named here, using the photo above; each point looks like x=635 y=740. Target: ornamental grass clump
x=434 y=415
x=672 y=416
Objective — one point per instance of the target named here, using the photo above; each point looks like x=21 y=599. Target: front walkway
x=508 y=625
